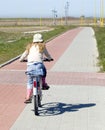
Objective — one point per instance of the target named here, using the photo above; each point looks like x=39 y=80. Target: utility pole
x=54 y=16
x=95 y=19
x=101 y=13
x=66 y=12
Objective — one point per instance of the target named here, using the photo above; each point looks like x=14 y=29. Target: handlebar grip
x=46 y=59
x=23 y=61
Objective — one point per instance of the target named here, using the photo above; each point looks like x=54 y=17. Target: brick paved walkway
x=13 y=79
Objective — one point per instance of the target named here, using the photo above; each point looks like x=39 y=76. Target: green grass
x=9 y=50
x=100 y=37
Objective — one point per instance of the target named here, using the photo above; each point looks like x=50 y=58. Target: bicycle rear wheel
x=36 y=104
x=39 y=101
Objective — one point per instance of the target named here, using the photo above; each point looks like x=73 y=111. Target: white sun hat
x=37 y=38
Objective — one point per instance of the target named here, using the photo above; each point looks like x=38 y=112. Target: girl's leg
x=29 y=94
x=29 y=87
x=44 y=84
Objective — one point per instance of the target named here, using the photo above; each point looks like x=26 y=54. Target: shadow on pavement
x=56 y=108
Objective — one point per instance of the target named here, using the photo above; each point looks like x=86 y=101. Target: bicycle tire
x=36 y=105
x=40 y=92
x=39 y=101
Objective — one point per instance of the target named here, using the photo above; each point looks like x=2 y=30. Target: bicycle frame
x=37 y=92
x=37 y=88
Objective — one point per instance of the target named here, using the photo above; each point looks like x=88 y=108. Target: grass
x=9 y=50
x=100 y=37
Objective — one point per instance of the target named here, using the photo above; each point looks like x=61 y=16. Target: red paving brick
x=11 y=104
x=76 y=78
x=13 y=80
x=12 y=77
x=16 y=65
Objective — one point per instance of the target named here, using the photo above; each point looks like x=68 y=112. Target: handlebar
x=44 y=59
x=47 y=60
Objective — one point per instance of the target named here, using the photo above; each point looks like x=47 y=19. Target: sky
x=43 y=8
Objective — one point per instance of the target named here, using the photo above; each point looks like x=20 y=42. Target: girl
x=34 y=54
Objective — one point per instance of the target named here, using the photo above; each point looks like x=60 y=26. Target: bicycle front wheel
x=36 y=104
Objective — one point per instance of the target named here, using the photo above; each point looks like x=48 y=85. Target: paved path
x=76 y=98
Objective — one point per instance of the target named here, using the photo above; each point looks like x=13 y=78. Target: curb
x=10 y=61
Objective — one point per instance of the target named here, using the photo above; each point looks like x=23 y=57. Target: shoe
x=28 y=100
x=45 y=87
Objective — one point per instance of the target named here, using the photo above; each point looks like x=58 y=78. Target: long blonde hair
x=40 y=45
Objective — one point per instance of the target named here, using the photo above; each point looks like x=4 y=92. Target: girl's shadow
x=56 y=108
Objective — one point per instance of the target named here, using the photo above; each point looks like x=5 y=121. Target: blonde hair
x=40 y=45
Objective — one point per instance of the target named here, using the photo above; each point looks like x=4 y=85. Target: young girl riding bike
x=34 y=53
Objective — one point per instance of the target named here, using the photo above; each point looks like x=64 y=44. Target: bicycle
x=37 y=86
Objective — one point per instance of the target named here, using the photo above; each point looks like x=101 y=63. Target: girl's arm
x=23 y=56
x=47 y=54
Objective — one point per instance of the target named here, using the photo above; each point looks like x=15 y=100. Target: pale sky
x=43 y=8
